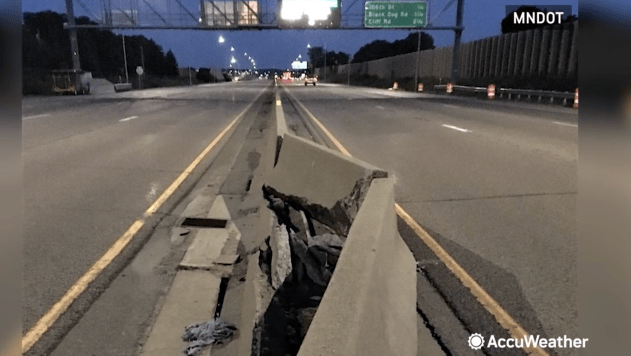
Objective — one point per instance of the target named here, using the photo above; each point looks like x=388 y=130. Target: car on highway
x=311 y=80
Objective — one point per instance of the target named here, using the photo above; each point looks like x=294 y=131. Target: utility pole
x=418 y=56
x=349 y=71
x=125 y=57
x=325 y=61
x=142 y=62
x=455 y=58
x=74 y=46
x=142 y=57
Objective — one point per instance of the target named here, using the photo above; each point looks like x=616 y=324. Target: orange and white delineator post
x=449 y=88
x=490 y=91
x=420 y=86
x=575 y=106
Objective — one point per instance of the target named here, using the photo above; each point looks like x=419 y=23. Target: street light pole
x=418 y=55
x=349 y=71
x=74 y=46
x=325 y=61
x=125 y=57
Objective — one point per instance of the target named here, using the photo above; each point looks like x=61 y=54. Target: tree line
x=46 y=46
x=374 y=50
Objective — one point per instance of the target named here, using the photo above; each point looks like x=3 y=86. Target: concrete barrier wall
x=369 y=307
x=551 y=52
x=323 y=182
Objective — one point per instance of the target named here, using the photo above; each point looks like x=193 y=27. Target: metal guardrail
x=510 y=92
x=529 y=92
x=462 y=88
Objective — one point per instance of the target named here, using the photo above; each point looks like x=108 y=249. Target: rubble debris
x=227 y=260
x=281 y=253
x=211 y=332
x=307 y=264
x=339 y=217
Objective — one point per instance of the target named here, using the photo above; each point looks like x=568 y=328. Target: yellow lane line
x=81 y=285
x=313 y=118
x=45 y=322
x=502 y=317
x=176 y=183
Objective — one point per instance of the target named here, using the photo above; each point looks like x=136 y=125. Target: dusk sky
x=278 y=48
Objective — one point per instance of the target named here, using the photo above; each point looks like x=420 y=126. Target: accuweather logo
x=476 y=342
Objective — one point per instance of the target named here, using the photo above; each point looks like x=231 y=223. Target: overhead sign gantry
x=391 y=14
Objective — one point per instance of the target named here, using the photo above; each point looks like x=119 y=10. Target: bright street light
x=221 y=39
x=232 y=49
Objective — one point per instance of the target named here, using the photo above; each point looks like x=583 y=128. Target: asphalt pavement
x=494 y=182
x=93 y=164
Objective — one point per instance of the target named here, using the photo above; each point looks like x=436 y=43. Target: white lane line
x=380 y=107
x=34 y=116
x=456 y=128
x=128 y=118
x=451 y=106
x=564 y=124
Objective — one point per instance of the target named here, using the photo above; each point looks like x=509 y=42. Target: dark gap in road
x=223 y=287
x=498 y=283
x=432 y=330
x=205 y=222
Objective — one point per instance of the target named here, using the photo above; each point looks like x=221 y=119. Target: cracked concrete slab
x=219 y=210
x=205 y=249
x=192 y=298
x=327 y=184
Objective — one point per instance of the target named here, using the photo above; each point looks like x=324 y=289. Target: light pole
x=125 y=58
x=418 y=55
x=325 y=61
x=349 y=71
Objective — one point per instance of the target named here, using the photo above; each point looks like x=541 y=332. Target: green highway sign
x=390 y=14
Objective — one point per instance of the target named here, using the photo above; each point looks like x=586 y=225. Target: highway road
x=94 y=164
x=493 y=182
